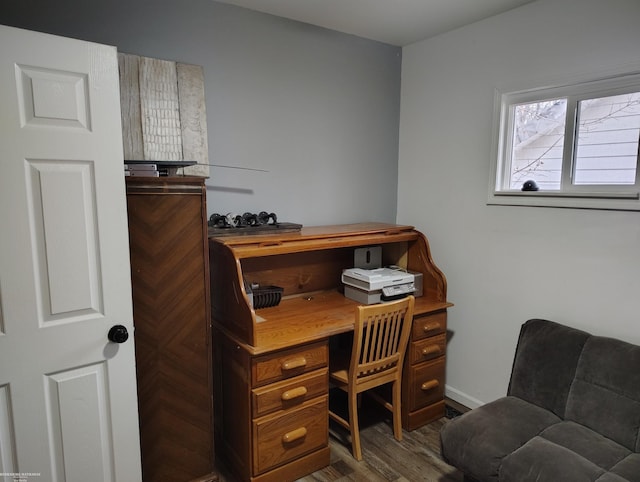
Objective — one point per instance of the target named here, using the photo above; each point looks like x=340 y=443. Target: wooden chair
x=380 y=341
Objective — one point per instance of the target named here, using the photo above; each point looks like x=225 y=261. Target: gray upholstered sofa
x=572 y=413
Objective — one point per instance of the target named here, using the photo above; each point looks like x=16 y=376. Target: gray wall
x=507 y=264
x=318 y=109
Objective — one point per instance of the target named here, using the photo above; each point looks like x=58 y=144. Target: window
x=570 y=146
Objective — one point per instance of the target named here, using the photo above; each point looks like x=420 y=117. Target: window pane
x=537 y=144
x=607 y=146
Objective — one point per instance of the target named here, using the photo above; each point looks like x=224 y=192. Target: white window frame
x=614 y=197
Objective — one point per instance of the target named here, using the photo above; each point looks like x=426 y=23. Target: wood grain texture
x=129 y=67
x=288 y=363
x=160 y=108
x=288 y=435
x=424 y=376
x=289 y=393
x=169 y=266
x=193 y=118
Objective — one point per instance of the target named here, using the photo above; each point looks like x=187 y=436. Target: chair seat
x=339 y=367
x=341 y=376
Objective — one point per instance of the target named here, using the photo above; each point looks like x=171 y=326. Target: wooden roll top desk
x=271 y=364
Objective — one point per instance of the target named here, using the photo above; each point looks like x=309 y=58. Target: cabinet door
x=170 y=296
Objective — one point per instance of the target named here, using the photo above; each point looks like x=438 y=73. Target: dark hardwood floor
x=414 y=459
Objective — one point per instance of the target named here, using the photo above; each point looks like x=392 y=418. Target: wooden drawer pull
x=294 y=393
x=433 y=326
x=431 y=350
x=294 y=435
x=294 y=363
x=430 y=385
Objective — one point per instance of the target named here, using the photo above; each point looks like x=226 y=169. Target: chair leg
x=353 y=426
x=397 y=409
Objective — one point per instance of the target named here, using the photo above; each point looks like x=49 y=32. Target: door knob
x=118 y=334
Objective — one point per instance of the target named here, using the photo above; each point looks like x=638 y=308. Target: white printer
x=370 y=286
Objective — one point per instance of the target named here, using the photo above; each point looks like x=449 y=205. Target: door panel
x=62 y=216
x=68 y=408
x=49 y=97
x=78 y=417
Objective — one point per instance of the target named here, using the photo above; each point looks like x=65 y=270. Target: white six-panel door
x=68 y=409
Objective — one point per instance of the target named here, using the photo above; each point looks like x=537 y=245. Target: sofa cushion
x=605 y=395
x=542 y=460
x=610 y=477
x=477 y=441
x=545 y=363
x=628 y=468
x=603 y=452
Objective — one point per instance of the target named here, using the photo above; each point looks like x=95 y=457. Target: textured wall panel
x=164 y=115
x=130 y=106
x=159 y=103
x=193 y=118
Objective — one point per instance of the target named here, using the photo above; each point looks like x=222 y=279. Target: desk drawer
x=427 y=348
x=429 y=325
x=289 y=393
x=287 y=436
x=427 y=383
x=288 y=363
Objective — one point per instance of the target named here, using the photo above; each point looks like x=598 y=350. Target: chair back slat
x=380 y=338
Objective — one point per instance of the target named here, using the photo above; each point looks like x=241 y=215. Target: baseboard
x=461 y=397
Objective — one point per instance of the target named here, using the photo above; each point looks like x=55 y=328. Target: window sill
x=622 y=201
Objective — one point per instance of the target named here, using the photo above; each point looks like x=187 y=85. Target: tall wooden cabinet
x=171 y=314
x=271 y=383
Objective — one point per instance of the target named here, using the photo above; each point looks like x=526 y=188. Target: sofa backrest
x=605 y=395
x=545 y=364
x=591 y=380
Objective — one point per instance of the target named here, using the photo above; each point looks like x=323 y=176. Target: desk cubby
x=282 y=351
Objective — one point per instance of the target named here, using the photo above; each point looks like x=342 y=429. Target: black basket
x=266 y=296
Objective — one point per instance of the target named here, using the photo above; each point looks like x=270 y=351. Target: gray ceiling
x=396 y=22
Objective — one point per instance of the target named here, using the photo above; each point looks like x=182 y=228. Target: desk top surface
x=313 y=316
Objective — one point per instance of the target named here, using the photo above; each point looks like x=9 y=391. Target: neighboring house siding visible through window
x=607 y=146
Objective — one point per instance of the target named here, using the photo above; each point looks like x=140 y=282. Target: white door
x=68 y=409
